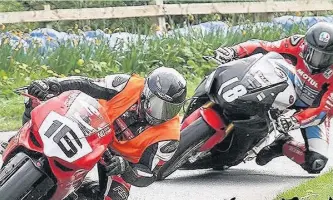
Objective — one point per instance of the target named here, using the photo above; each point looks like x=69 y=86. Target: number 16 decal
x=63 y=138
x=232 y=94
x=62 y=134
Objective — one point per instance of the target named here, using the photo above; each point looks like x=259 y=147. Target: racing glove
x=42 y=88
x=286 y=124
x=116 y=166
x=225 y=54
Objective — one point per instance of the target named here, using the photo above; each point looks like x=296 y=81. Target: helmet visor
x=158 y=108
x=318 y=59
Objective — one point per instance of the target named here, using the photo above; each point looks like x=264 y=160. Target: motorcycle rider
x=144 y=113
x=312 y=56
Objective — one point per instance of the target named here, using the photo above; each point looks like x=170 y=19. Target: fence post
x=48 y=24
x=259 y=17
x=160 y=20
x=268 y=16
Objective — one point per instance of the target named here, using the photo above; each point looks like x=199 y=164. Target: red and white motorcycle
x=51 y=154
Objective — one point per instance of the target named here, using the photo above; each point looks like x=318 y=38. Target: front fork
x=250 y=155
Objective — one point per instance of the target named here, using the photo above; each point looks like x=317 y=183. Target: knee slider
x=314 y=162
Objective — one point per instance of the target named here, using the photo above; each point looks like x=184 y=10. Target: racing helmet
x=163 y=95
x=318 y=47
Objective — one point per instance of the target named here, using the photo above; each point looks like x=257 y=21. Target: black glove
x=286 y=124
x=42 y=88
x=116 y=166
x=225 y=54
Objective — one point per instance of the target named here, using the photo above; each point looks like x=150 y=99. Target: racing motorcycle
x=231 y=115
x=51 y=154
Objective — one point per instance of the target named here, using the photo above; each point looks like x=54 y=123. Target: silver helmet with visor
x=163 y=95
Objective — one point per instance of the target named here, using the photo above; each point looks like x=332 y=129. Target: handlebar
x=20 y=90
x=23 y=91
x=107 y=156
x=208 y=58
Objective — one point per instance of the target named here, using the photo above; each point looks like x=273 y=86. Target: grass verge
x=11 y=110
x=319 y=188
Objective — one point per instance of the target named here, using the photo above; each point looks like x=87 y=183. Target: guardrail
x=160 y=10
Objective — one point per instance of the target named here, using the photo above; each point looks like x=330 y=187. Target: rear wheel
x=191 y=139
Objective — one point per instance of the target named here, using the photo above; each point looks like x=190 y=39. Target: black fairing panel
x=236 y=68
x=249 y=105
x=200 y=90
x=246 y=104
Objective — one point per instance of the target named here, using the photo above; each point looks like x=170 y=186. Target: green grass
x=319 y=188
x=11 y=113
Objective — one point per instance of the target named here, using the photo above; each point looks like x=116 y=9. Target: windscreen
x=264 y=73
x=87 y=113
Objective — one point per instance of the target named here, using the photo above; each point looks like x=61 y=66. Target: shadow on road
x=246 y=176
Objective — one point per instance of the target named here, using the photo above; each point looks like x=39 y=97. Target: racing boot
x=273 y=150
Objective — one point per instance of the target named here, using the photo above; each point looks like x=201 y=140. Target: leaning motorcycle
x=229 y=118
x=51 y=154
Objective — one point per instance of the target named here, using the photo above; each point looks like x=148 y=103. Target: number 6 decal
x=232 y=94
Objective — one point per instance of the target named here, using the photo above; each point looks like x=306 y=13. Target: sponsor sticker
x=324 y=37
x=328 y=73
x=104 y=131
x=291 y=99
x=295 y=39
x=280 y=73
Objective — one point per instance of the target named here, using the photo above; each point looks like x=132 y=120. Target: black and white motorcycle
x=229 y=118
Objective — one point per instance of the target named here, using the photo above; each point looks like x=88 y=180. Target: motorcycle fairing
x=250 y=81
x=92 y=128
x=213 y=119
x=236 y=68
x=190 y=119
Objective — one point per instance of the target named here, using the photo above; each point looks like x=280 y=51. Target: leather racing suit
x=313 y=104
x=153 y=145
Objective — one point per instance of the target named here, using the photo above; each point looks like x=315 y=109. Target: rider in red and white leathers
x=312 y=56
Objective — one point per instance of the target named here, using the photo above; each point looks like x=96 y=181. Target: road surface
x=246 y=181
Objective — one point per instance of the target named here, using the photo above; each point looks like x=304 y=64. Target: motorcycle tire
x=17 y=178
x=191 y=139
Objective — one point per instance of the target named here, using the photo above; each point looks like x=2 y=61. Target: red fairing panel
x=72 y=131
x=22 y=138
x=190 y=119
x=213 y=119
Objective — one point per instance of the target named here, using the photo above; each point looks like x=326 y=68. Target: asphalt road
x=246 y=181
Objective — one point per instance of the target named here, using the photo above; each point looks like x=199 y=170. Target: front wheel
x=191 y=139
x=19 y=177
